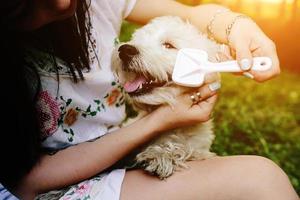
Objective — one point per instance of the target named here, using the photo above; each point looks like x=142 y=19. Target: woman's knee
x=264 y=170
x=234 y=177
x=263 y=179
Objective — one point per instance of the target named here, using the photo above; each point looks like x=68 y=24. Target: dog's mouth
x=141 y=85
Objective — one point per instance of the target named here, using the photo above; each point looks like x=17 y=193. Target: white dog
x=144 y=67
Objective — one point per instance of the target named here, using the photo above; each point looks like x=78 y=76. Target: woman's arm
x=200 y=16
x=85 y=160
x=246 y=38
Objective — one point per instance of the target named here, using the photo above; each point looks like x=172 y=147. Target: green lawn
x=257 y=119
x=261 y=119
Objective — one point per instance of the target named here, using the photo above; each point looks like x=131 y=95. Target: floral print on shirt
x=80 y=191
x=116 y=97
x=48 y=112
x=62 y=112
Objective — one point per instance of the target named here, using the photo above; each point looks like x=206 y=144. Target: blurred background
x=261 y=118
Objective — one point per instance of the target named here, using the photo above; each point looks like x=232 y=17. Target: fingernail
x=214 y=86
x=248 y=75
x=245 y=64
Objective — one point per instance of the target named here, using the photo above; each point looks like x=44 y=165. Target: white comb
x=192 y=64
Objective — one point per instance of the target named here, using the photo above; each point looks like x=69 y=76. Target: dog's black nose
x=127 y=52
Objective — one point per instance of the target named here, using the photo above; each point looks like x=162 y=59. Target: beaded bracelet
x=230 y=26
x=209 y=28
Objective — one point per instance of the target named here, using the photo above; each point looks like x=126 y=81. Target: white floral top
x=74 y=113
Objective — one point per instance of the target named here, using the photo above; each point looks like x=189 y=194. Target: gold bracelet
x=230 y=26
x=209 y=28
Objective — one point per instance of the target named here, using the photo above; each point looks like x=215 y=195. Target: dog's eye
x=168 y=45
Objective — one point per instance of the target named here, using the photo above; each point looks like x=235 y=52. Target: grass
x=257 y=119
x=261 y=119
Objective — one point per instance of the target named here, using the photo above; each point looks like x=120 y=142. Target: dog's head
x=144 y=65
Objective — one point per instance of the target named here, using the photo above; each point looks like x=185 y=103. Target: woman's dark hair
x=68 y=39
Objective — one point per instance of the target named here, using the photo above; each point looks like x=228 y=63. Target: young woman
x=67 y=102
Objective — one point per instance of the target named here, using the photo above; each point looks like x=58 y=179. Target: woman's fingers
x=204 y=108
x=193 y=106
x=209 y=103
x=204 y=92
x=244 y=56
x=264 y=48
x=274 y=71
x=248 y=41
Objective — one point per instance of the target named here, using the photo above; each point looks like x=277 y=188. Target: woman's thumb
x=244 y=57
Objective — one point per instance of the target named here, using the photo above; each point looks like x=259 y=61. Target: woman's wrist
x=156 y=121
x=166 y=118
x=218 y=21
x=242 y=29
x=224 y=24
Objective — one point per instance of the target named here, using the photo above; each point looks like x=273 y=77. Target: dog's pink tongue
x=132 y=86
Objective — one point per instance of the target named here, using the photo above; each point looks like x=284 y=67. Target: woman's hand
x=246 y=41
x=187 y=111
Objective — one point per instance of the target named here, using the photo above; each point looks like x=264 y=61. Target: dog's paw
x=164 y=159
x=160 y=167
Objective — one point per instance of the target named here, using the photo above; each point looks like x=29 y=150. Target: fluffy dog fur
x=157 y=44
